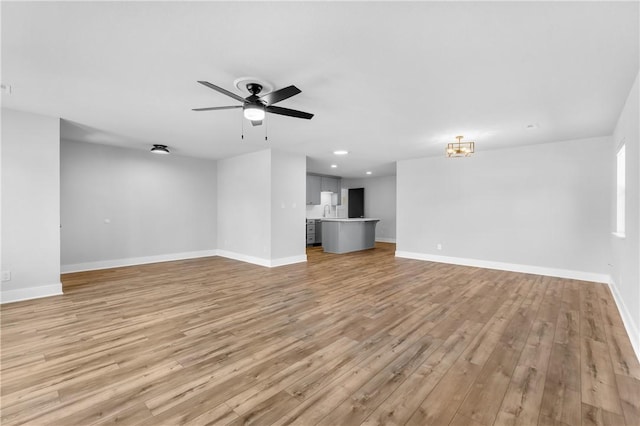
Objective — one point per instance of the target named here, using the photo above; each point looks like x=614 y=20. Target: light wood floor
x=362 y=338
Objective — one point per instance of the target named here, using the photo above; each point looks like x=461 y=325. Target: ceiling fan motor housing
x=254 y=88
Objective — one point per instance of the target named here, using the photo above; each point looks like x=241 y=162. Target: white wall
x=626 y=252
x=30 y=205
x=380 y=202
x=252 y=224
x=541 y=208
x=288 y=195
x=244 y=207
x=159 y=207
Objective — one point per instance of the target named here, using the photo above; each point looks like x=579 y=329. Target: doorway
x=356 y=202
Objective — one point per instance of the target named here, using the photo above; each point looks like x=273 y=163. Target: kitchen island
x=347 y=235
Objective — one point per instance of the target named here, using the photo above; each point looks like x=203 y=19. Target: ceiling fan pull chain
x=242 y=127
x=266 y=128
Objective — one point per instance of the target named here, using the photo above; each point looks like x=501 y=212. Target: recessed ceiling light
x=341 y=152
x=333 y=166
x=368 y=173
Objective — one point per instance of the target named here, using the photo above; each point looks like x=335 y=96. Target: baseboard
x=131 y=261
x=627 y=319
x=20 y=294
x=244 y=258
x=385 y=240
x=513 y=267
x=269 y=263
x=288 y=260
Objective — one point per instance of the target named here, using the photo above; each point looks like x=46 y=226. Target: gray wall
x=626 y=251
x=155 y=205
x=380 y=202
x=543 y=205
x=30 y=205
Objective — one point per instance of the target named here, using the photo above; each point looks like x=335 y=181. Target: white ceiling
x=385 y=80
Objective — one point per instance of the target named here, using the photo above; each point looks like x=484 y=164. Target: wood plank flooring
x=361 y=338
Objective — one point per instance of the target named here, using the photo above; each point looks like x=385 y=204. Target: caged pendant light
x=460 y=149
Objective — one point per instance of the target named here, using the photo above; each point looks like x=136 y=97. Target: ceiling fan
x=254 y=106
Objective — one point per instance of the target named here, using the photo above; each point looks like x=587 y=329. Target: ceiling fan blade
x=280 y=95
x=217 y=108
x=288 y=112
x=257 y=122
x=221 y=90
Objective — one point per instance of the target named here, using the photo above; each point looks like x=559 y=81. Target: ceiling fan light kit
x=254 y=106
x=460 y=149
x=253 y=112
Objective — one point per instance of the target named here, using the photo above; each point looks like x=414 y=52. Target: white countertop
x=355 y=219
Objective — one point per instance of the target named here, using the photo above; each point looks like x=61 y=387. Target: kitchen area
x=324 y=200
x=335 y=216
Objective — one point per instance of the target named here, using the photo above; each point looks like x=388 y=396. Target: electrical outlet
x=439 y=246
x=6 y=276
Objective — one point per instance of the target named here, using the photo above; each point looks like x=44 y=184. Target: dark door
x=356 y=202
